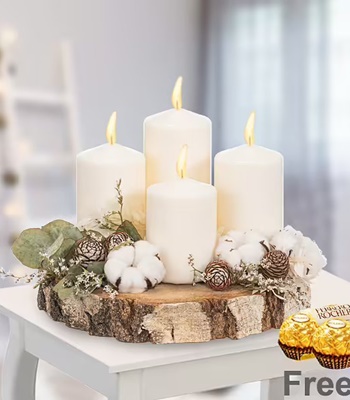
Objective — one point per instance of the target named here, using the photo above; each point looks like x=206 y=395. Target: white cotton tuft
x=238 y=238
x=227 y=239
x=144 y=249
x=310 y=257
x=133 y=281
x=233 y=258
x=125 y=253
x=152 y=268
x=222 y=249
x=114 y=269
x=254 y=237
x=251 y=253
x=293 y=232
x=285 y=241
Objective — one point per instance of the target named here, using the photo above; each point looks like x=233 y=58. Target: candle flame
x=181 y=165
x=249 y=130
x=111 y=131
x=176 y=98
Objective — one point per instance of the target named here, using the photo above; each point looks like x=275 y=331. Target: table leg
x=128 y=386
x=272 y=389
x=19 y=371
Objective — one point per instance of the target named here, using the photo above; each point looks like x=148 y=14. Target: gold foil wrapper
x=333 y=338
x=298 y=330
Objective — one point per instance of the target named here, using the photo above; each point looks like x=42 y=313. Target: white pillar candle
x=99 y=169
x=181 y=220
x=164 y=135
x=249 y=181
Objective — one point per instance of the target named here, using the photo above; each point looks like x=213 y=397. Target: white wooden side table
x=123 y=371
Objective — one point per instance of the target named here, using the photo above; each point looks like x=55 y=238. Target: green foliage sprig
x=51 y=251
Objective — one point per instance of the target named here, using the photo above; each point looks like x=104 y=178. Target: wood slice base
x=172 y=313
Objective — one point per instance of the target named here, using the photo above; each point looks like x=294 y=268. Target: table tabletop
x=19 y=303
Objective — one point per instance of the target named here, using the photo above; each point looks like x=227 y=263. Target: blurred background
x=65 y=66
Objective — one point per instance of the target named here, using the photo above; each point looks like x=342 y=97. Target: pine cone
x=275 y=264
x=115 y=239
x=218 y=275
x=90 y=250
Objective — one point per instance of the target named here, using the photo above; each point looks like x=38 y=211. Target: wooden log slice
x=172 y=313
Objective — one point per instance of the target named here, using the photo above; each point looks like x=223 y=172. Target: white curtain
x=289 y=61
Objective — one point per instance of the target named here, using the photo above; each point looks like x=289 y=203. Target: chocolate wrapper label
x=326 y=313
x=336 y=324
x=301 y=318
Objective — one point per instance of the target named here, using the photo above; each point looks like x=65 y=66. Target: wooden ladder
x=14 y=214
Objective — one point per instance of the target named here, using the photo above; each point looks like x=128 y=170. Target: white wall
x=128 y=55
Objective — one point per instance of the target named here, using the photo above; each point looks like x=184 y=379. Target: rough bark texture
x=171 y=313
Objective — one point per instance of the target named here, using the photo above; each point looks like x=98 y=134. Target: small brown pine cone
x=89 y=250
x=275 y=264
x=115 y=239
x=218 y=275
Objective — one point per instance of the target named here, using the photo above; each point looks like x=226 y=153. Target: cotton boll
x=125 y=253
x=251 y=253
x=114 y=269
x=284 y=241
x=233 y=258
x=144 y=249
x=133 y=281
x=238 y=237
x=254 y=237
x=222 y=249
x=311 y=257
x=227 y=239
x=293 y=232
x=152 y=268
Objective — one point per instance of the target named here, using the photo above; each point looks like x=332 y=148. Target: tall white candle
x=164 y=135
x=181 y=220
x=249 y=181
x=99 y=169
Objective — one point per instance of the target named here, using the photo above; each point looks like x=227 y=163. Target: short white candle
x=181 y=220
x=98 y=171
x=249 y=181
x=164 y=135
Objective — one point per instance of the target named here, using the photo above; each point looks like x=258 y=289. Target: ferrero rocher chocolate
x=331 y=344
x=296 y=335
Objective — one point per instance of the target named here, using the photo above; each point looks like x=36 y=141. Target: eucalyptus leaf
x=59 y=226
x=30 y=245
x=55 y=246
x=55 y=239
x=97 y=267
x=65 y=248
x=62 y=291
x=130 y=229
